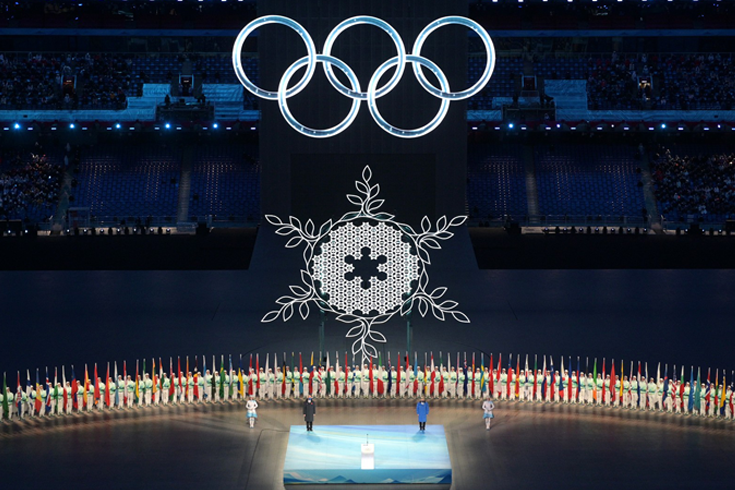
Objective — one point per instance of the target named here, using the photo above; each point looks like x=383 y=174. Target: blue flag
x=390 y=378
x=666 y=383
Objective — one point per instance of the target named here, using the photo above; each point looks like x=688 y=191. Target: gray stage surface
x=210 y=446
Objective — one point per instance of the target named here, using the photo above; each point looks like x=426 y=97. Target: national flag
x=612 y=381
x=257 y=369
x=172 y=384
x=491 y=384
x=301 y=370
x=48 y=392
x=230 y=375
x=543 y=381
x=63 y=389
x=707 y=393
x=622 y=381
x=370 y=376
x=603 y=381
x=698 y=393
x=153 y=377
x=681 y=387
x=569 y=379
x=509 y=382
x=222 y=377
x=38 y=405
x=594 y=380
x=579 y=379
x=329 y=377
x=560 y=375
x=86 y=384
x=390 y=376
x=96 y=385
x=6 y=406
x=535 y=374
x=690 y=402
x=666 y=384
x=117 y=385
x=240 y=381
x=430 y=380
x=551 y=378
x=518 y=375
x=416 y=371
x=723 y=395
x=398 y=375
x=137 y=382
x=107 y=387
x=19 y=396
x=638 y=385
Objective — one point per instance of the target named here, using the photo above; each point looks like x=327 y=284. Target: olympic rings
x=373 y=91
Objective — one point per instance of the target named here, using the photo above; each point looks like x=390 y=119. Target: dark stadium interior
x=596 y=169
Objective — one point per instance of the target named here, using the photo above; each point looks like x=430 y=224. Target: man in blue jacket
x=422 y=409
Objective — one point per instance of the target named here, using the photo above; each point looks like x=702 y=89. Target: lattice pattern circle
x=330 y=268
x=399 y=254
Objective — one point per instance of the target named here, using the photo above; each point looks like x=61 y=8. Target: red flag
x=186 y=386
x=196 y=384
x=172 y=386
x=257 y=370
x=490 y=378
x=370 y=387
x=107 y=387
x=96 y=385
x=497 y=373
x=250 y=378
x=518 y=375
x=612 y=382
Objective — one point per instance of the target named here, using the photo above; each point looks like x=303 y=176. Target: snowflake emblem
x=365 y=267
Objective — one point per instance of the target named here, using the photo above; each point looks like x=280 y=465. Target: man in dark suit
x=309 y=412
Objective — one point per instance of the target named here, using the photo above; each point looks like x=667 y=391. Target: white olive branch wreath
x=369 y=208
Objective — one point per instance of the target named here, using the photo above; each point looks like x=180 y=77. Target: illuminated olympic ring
x=354 y=92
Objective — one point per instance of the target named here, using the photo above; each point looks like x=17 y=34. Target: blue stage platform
x=331 y=455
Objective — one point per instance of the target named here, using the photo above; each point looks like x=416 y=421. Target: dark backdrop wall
x=285 y=154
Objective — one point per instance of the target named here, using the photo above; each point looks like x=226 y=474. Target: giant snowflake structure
x=365 y=267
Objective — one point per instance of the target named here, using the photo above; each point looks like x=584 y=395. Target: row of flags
x=707 y=394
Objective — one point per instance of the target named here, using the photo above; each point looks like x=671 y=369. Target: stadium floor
x=529 y=446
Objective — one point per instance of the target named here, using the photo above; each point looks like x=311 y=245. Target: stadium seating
x=496 y=184
x=29 y=185
x=694 y=183
x=128 y=181
x=588 y=180
x=225 y=182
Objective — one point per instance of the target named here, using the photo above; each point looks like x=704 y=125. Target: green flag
x=222 y=381
x=594 y=377
x=698 y=392
x=6 y=408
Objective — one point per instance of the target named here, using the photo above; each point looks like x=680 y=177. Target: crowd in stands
x=702 y=184
x=29 y=184
x=663 y=82
x=64 y=81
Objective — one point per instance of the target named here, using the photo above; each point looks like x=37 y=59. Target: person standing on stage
x=487 y=407
x=309 y=412
x=393 y=382
x=251 y=405
x=422 y=410
x=452 y=388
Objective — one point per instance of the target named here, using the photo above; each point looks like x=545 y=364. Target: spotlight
x=663 y=125
x=167 y=126
x=16 y=126
x=215 y=125
x=71 y=126
x=510 y=125
x=117 y=126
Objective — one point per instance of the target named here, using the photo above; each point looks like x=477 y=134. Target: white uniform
x=251 y=405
